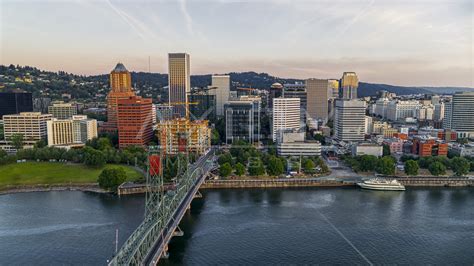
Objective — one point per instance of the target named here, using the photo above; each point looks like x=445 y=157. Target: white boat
x=381 y=184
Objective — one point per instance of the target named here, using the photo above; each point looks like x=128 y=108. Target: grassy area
x=32 y=173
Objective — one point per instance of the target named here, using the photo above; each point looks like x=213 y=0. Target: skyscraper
x=349 y=124
x=135 y=121
x=297 y=90
x=276 y=90
x=120 y=88
x=317 y=99
x=179 y=82
x=458 y=114
x=15 y=103
x=242 y=119
x=348 y=86
x=220 y=87
x=286 y=115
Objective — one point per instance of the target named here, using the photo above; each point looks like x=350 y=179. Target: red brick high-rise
x=135 y=121
x=120 y=88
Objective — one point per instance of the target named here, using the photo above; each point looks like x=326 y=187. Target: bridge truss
x=160 y=209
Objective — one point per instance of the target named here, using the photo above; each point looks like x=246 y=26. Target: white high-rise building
x=220 y=87
x=71 y=132
x=398 y=110
x=286 y=115
x=179 y=82
x=31 y=125
x=349 y=120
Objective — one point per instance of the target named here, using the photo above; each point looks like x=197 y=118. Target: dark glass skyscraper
x=15 y=102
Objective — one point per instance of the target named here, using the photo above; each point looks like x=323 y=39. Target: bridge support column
x=165 y=254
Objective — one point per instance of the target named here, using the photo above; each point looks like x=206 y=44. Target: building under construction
x=183 y=135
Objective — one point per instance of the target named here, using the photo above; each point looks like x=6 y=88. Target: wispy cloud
x=187 y=17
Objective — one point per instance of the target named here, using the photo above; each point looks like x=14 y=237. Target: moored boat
x=381 y=184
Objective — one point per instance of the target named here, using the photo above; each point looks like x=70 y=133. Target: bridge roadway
x=149 y=242
x=161 y=247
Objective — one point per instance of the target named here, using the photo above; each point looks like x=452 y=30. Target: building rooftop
x=120 y=68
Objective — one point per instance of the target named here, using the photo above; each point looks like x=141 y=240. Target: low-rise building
x=395 y=145
x=426 y=146
x=181 y=135
x=462 y=150
x=367 y=149
x=294 y=144
x=62 y=110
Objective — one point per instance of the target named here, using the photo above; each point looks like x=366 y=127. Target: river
x=260 y=227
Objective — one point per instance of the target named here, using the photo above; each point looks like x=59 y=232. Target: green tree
x=225 y=170
x=40 y=144
x=386 y=165
x=368 y=162
x=386 y=150
x=460 y=166
x=411 y=167
x=111 y=178
x=215 y=137
x=104 y=143
x=239 y=169
x=93 y=158
x=225 y=158
x=17 y=141
x=308 y=166
x=255 y=167
x=437 y=168
x=275 y=167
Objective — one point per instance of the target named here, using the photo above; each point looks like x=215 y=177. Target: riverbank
x=87 y=187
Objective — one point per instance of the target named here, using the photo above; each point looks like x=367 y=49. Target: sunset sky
x=410 y=42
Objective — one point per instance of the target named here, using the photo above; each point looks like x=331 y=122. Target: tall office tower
x=74 y=132
x=61 y=110
x=15 y=103
x=349 y=124
x=41 y=104
x=438 y=111
x=286 y=115
x=135 y=121
x=348 y=86
x=333 y=88
x=242 y=119
x=202 y=105
x=276 y=91
x=220 y=87
x=120 y=88
x=333 y=92
x=459 y=114
x=32 y=125
x=179 y=82
x=317 y=99
x=297 y=90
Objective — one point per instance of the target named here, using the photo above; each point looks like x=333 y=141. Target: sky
x=399 y=42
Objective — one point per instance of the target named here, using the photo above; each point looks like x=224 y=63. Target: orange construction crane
x=186 y=104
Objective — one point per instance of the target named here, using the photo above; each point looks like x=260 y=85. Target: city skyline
x=401 y=43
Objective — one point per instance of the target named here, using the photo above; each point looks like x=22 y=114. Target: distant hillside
x=54 y=84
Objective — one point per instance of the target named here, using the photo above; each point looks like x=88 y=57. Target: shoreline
x=86 y=187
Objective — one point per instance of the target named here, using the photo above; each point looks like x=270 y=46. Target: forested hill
x=55 y=84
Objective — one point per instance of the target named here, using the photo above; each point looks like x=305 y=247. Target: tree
x=225 y=158
x=111 y=178
x=40 y=144
x=104 y=143
x=386 y=165
x=255 y=167
x=460 y=166
x=239 y=169
x=437 y=168
x=225 y=170
x=386 y=150
x=308 y=166
x=93 y=158
x=17 y=141
x=368 y=162
x=215 y=137
x=411 y=167
x=275 y=167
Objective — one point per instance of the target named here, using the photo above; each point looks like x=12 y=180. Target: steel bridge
x=163 y=212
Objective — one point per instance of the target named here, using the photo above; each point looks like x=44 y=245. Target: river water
x=241 y=227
